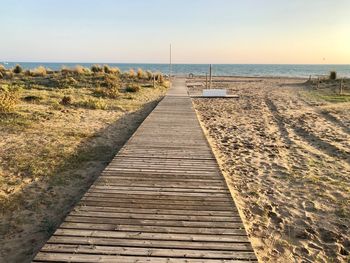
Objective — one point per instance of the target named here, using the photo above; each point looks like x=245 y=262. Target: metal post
x=341 y=86
x=170 y=68
x=210 y=76
x=206 y=80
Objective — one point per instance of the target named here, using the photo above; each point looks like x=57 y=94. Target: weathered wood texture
x=161 y=199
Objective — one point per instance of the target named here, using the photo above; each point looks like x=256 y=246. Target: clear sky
x=201 y=31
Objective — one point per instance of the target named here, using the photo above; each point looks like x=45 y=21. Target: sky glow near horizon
x=201 y=31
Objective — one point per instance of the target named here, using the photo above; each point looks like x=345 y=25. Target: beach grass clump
x=39 y=72
x=2 y=68
x=333 y=75
x=132 y=73
x=94 y=104
x=112 y=92
x=80 y=70
x=140 y=74
x=66 y=100
x=149 y=75
x=110 y=81
x=107 y=69
x=96 y=69
x=115 y=71
x=17 y=69
x=133 y=88
x=9 y=98
x=160 y=78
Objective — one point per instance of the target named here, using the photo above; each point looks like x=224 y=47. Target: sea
x=255 y=70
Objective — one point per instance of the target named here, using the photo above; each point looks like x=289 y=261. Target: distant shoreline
x=222 y=70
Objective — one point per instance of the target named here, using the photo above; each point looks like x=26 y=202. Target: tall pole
x=170 y=67
x=210 y=76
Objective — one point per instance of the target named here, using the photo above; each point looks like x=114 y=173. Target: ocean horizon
x=255 y=70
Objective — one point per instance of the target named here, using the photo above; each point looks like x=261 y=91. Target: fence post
x=341 y=86
x=210 y=76
x=206 y=80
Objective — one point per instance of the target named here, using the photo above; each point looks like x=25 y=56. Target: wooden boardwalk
x=161 y=199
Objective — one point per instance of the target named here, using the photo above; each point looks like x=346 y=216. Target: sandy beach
x=285 y=153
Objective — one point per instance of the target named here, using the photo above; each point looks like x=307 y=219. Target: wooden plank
x=228 y=246
x=151 y=236
x=155 y=211
x=156 y=216
x=154 y=229
x=153 y=222
x=155 y=252
x=68 y=257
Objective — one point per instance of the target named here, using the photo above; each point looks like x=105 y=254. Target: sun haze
x=201 y=31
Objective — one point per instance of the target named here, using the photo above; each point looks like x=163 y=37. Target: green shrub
x=94 y=104
x=333 y=75
x=17 y=69
x=133 y=88
x=66 y=100
x=107 y=69
x=96 y=68
x=9 y=98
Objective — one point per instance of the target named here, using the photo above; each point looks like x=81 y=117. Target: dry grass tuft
x=133 y=88
x=66 y=100
x=94 y=104
x=140 y=74
x=39 y=72
x=132 y=73
x=2 y=68
x=9 y=98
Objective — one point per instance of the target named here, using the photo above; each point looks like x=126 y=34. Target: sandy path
x=288 y=164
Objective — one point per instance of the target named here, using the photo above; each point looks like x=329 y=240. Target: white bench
x=214 y=93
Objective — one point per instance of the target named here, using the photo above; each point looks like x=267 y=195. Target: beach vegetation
x=140 y=74
x=132 y=88
x=17 y=69
x=96 y=69
x=149 y=75
x=66 y=100
x=39 y=72
x=2 y=68
x=333 y=75
x=91 y=103
x=32 y=98
x=9 y=98
x=132 y=73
